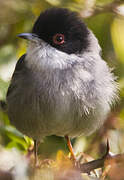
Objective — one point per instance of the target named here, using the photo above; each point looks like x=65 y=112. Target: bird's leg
x=70 y=147
x=36 y=143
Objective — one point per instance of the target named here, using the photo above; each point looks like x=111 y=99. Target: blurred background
x=106 y=19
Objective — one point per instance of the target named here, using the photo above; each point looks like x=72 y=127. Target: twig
x=108 y=8
x=107 y=159
x=5 y=175
x=111 y=7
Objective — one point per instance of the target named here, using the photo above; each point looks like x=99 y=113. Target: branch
x=95 y=10
x=108 y=8
x=107 y=159
x=5 y=175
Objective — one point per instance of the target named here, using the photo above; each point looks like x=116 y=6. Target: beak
x=29 y=36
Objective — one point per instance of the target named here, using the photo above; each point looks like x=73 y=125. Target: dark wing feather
x=19 y=66
x=3 y=105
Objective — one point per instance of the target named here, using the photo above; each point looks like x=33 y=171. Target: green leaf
x=14 y=135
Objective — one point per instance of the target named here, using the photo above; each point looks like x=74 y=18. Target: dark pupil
x=59 y=38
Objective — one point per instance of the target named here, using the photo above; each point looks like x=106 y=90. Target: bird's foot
x=47 y=163
x=87 y=164
x=77 y=160
x=32 y=153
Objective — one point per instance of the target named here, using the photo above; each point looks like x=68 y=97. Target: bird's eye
x=58 y=39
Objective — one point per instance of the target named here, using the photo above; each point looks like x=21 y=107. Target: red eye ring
x=58 y=39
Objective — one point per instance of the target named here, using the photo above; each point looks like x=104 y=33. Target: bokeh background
x=106 y=19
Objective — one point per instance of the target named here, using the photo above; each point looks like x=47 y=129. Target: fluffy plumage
x=61 y=90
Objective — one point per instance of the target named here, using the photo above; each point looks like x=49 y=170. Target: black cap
x=62 y=21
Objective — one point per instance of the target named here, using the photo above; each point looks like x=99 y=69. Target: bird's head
x=60 y=33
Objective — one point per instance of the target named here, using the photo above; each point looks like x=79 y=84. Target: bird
x=61 y=86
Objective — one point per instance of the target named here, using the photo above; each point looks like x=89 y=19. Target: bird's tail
x=3 y=106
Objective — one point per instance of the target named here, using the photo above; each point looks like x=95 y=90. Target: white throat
x=42 y=55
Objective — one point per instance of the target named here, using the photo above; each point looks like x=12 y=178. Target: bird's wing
x=3 y=106
x=18 y=68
